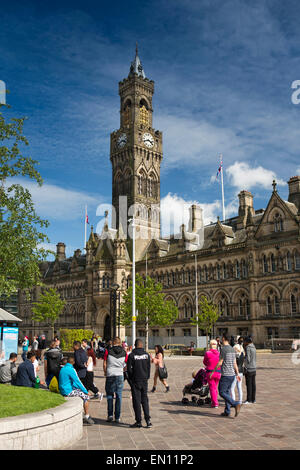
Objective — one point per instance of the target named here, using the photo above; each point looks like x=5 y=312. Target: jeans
x=24 y=355
x=224 y=391
x=239 y=387
x=114 y=385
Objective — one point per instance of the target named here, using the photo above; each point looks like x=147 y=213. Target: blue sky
x=223 y=73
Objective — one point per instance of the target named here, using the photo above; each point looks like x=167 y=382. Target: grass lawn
x=20 y=400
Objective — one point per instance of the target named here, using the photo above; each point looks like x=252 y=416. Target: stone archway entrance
x=107 y=328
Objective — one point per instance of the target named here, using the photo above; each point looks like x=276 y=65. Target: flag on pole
x=87 y=219
x=220 y=167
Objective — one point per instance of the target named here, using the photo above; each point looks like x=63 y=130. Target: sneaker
x=247 y=403
x=153 y=389
x=149 y=424
x=136 y=425
x=253 y=403
x=167 y=389
x=225 y=414
x=215 y=407
x=110 y=419
x=237 y=410
x=117 y=421
x=88 y=420
x=95 y=397
x=101 y=396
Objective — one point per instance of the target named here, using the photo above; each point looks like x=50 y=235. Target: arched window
x=224 y=271
x=269 y=306
x=278 y=224
x=218 y=272
x=288 y=261
x=144 y=113
x=265 y=264
x=244 y=269
x=293 y=304
x=276 y=305
x=273 y=263
x=297 y=260
x=237 y=270
x=205 y=274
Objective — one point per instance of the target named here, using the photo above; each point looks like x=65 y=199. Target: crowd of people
x=225 y=362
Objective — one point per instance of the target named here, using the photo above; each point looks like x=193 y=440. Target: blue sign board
x=10 y=341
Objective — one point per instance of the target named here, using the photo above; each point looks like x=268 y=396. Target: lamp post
x=133 y=330
x=113 y=307
x=197 y=312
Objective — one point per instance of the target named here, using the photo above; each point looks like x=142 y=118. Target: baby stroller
x=199 y=390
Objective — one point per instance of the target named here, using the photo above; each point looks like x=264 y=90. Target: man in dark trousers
x=25 y=374
x=81 y=359
x=138 y=368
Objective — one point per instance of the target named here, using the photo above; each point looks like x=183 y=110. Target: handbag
x=162 y=372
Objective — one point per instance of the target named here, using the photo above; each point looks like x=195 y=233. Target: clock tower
x=136 y=155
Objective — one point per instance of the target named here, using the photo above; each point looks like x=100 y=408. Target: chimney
x=61 y=251
x=294 y=191
x=196 y=219
x=77 y=253
x=246 y=209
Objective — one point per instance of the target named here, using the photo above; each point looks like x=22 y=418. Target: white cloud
x=242 y=176
x=175 y=212
x=58 y=203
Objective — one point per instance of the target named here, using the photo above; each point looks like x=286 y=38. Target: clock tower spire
x=136 y=155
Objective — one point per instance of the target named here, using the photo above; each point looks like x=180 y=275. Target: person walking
x=138 y=369
x=114 y=363
x=210 y=360
x=25 y=346
x=240 y=357
x=91 y=363
x=229 y=370
x=81 y=359
x=158 y=360
x=219 y=346
x=52 y=361
x=71 y=386
x=35 y=344
x=250 y=370
x=42 y=347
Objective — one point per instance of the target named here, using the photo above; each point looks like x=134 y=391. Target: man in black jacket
x=25 y=373
x=81 y=359
x=138 y=368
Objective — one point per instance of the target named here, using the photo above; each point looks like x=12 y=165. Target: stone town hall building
x=249 y=265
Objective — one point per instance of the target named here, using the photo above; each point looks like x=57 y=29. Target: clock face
x=148 y=140
x=122 y=139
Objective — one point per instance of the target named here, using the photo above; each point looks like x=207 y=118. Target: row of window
x=272 y=263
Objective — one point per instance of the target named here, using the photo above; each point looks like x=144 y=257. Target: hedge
x=67 y=337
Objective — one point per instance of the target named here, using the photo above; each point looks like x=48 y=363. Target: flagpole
x=85 y=228
x=222 y=183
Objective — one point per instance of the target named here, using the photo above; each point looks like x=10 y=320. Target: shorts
x=79 y=393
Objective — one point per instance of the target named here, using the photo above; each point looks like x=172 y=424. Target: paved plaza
x=272 y=423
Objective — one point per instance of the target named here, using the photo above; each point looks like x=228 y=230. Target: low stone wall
x=50 y=429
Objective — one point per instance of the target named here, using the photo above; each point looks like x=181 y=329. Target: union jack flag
x=220 y=167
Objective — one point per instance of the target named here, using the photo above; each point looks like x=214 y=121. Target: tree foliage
x=207 y=316
x=20 y=235
x=48 y=308
x=150 y=304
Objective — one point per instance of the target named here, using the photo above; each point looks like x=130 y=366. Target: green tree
x=207 y=316
x=152 y=309
x=20 y=235
x=48 y=308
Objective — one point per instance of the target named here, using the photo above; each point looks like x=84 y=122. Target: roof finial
x=274 y=184
x=136 y=48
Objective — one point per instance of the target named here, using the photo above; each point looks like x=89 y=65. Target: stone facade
x=248 y=265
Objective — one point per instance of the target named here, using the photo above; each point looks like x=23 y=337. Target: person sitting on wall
x=25 y=374
x=8 y=370
x=71 y=386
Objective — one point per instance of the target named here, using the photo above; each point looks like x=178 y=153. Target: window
x=269 y=306
x=244 y=269
x=224 y=271
x=273 y=263
x=155 y=333
x=218 y=272
x=278 y=224
x=265 y=263
x=293 y=304
x=237 y=270
x=171 y=332
x=297 y=260
x=187 y=332
x=288 y=261
x=142 y=333
x=276 y=305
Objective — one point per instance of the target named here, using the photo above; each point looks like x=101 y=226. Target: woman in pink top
x=211 y=359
